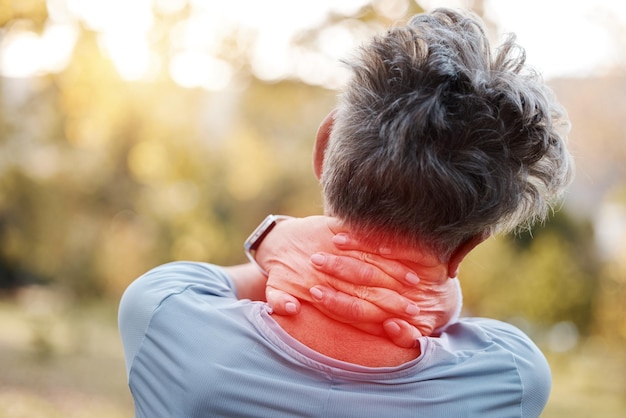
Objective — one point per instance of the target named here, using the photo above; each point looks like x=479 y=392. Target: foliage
x=546 y=278
x=130 y=183
x=102 y=179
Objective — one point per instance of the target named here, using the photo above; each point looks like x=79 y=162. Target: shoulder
x=147 y=293
x=143 y=297
x=490 y=331
x=162 y=281
x=483 y=333
x=503 y=351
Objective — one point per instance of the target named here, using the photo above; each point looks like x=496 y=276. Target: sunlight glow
x=393 y=9
x=114 y=15
x=128 y=31
x=132 y=56
x=199 y=33
x=562 y=37
x=123 y=29
x=194 y=69
x=20 y=56
x=169 y=6
x=26 y=54
x=270 y=59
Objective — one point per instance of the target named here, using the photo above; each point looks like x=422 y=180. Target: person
x=436 y=143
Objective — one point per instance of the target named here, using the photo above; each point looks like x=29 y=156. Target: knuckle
x=365 y=257
x=336 y=264
x=355 y=310
x=362 y=292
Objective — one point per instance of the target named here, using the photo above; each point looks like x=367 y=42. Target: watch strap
x=257 y=236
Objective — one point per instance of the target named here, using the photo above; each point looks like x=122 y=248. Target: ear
x=464 y=249
x=321 y=141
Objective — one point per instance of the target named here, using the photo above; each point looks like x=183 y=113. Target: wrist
x=253 y=242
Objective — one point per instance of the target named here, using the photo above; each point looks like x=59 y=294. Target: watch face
x=255 y=239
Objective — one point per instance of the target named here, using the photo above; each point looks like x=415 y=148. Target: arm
x=248 y=280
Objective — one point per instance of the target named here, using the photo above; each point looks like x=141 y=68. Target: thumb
x=281 y=302
x=402 y=333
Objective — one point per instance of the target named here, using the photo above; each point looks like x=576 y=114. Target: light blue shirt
x=194 y=350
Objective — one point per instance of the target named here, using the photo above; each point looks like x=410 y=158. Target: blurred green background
x=136 y=133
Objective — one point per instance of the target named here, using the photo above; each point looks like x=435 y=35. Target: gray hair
x=438 y=139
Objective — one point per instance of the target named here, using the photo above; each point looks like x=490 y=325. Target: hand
x=438 y=297
x=286 y=253
x=355 y=283
x=370 y=285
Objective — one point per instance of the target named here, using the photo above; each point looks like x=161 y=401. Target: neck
x=342 y=341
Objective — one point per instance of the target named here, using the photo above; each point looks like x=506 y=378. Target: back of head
x=438 y=139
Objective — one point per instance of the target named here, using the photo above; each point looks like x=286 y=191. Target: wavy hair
x=437 y=138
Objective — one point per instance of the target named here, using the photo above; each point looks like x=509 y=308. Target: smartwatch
x=258 y=235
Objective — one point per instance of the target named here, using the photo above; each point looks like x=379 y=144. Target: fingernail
x=317 y=294
x=412 y=310
x=291 y=308
x=412 y=278
x=340 y=239
x=392 y=328
x=318 y=259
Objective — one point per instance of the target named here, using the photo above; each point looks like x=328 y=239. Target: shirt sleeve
x=532 y=367
x=145 y=295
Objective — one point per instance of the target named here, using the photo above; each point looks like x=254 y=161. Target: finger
x=345 y=241
x=402 y=333
x=365 y=269
x=364 y=281
x=393 y=303
x=357 y=271
x=372 y=305
x=281 y=302
x=346 y=308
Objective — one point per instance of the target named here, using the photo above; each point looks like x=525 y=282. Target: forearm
x=248 y=280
